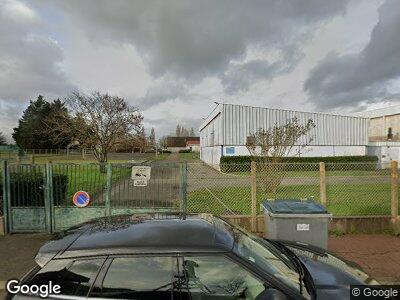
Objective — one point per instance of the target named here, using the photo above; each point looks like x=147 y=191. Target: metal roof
x=380 y=112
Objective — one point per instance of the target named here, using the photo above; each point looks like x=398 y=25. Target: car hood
x=332 y=275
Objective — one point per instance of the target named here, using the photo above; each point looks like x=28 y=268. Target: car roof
x=133 y=234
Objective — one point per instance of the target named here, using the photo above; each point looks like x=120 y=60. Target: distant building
x=225 y=131
x=384 y=133
x=193 y=143
x=384 y=124
x=176 y=143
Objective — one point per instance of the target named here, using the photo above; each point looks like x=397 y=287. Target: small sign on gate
x=140 y=182
x=141 y=173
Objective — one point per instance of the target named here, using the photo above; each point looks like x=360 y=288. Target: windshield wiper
x=301 y=269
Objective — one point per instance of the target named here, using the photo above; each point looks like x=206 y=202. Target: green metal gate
x=38 y=198
x=24 y=198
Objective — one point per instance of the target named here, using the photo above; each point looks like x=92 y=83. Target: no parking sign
x=81 y=199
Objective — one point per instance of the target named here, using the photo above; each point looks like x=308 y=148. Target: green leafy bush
x=28 y=189
x=230 y=163
x=185 y=151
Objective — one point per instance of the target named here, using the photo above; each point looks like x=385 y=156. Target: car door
x=216 y=277
x=136 y=277
x=74 y=276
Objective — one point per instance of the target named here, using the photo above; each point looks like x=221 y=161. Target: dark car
x=198 y=257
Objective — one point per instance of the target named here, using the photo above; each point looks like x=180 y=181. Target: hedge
x=185 y=151
x=231 y=164
x=28 y=189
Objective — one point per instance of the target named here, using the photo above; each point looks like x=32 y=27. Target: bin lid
x=294 y=206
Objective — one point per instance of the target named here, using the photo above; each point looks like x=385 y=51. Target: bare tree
x=140 y=140
x=97 y=121
x=152 y=137
x=269 y=146
x=184 y=132
x=178 y=130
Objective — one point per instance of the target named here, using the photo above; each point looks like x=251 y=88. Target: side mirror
x=271 y=294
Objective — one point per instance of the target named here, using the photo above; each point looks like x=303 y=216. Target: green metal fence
x=38 y=198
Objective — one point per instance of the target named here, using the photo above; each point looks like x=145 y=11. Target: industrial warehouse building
x=384 y=133
x=225 y=131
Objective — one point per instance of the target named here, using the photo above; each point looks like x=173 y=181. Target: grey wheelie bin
x=297 y=220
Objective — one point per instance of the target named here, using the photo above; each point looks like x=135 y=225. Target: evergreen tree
x=31 y=132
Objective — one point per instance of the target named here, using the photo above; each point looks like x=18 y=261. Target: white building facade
x=384 y=133
x=224 y=132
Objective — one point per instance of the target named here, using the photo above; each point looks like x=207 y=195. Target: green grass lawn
x=189 y=156
x=343 y=199
x=88 y=178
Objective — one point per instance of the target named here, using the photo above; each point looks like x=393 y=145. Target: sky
x=174 y=59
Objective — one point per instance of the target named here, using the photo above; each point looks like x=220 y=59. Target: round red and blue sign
x=81 y=199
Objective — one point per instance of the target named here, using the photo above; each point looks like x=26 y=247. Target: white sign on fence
x=141 y=173
x=140 y=182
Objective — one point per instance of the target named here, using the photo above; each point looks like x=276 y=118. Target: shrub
x=230 y=163
x=27 y=189
x=185 y=151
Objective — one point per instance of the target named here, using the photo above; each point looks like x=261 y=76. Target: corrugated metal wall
x=237 y=122
x=211 y=134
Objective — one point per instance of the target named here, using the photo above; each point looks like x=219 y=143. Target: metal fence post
x=183 y=191
x=48 y=198
x=109 y=188
x=6 y=216
x=322 y=183
x=253 y=196
x=394 y=192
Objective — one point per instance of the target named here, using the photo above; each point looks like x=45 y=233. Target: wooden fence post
x=395 y=192
x=253 y=196
x=322 y=183
x=32 y=159
x=183 y=190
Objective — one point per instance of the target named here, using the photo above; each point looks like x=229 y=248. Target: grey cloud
x=348 y=79
x=195 y=39
x=240 y=76
x=9 y=113
x=162 y=90
x=29 y=63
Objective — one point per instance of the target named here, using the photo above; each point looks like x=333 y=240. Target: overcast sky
x=173 y=59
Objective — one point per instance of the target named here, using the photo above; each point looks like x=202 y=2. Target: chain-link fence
x=358 y=189
x=347 y=189
x=212 y=191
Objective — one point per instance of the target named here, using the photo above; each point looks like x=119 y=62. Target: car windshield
x=268 y=258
